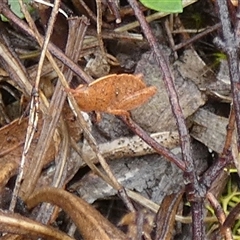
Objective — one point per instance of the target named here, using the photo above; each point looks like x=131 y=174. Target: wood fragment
x=209 y=129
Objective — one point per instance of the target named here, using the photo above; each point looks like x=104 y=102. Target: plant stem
x=194 y=192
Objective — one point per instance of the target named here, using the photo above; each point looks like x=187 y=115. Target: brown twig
x=4 y=9
x=46 y=211
x=230 y=130
x=91 y=224
x=150 y=18
x=81 y=4
x=34 y=109
x=197 y=37
x=15 y=223
x=224 y=160
x=230 y=220
x=115 y=10
x=153 y=143
x=99 y=29
x=54 y=111
x=195 y=192
x=226 y=157
x=229 y=44
x=221 y=216
x=210 y=175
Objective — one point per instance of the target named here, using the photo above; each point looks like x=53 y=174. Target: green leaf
x=15 y=7
x=169 y=6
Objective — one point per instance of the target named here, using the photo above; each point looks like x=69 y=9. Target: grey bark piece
x=191 y=66
x=221 y=88
x=143 y=175
x=209 y=129
x=157 y=115
x=152 y=176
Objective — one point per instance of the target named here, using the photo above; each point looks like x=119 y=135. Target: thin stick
x=113 y=5
x=154 y=144
x=197 y=37
x=54 y=111
x=4 y=9
x=221 y=216
x=90 y=13
x=99 y=29
x=34 y=107
x=230 y=130
x=150 y=18
x=229 y=44
x=194 y=192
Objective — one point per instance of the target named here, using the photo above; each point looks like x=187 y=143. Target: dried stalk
x=195 y=192
x=14 y=223
x=220 y=214
x=60 y=174
x=84 y=215
x=50 y=124
x=4 y=9
x=34 y=105
x=229 y=44
x=150 y=18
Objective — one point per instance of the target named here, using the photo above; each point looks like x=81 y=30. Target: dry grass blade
x=99 y=28
x=14 y=223
x=166 y=216
x=49 y=126
x=15 y=70
x=150 y=18
x=75 y=39
x=34 y=108
x=91 y=224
